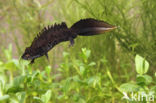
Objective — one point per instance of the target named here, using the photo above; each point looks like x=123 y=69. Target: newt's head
x=31 y=54
x=27 y=54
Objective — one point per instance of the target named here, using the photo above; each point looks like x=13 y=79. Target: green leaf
x=92 y=64
x=12 y=64
x=5 y=97
x=14 y=89
x=86 y=53
x=93 y=80
x=2 y=82
x=67 y=85
x=148 y=79
x=82 y=70
x=46 y=97
x=140 y=80
x=1 y=63
x=77 y=79
x=22 y=97
x=33 y=76
x=48 y=69
x=19 y=80
x=38 y=99
x=143 y=80
x=141 y=65
x=153 y=89
x=65 y=54
x=129 y=87
x=8 y=52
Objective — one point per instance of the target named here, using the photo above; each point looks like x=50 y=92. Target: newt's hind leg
x=71 y=41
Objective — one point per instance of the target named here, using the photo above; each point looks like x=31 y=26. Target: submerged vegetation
x=97 y=69
x=77 y=80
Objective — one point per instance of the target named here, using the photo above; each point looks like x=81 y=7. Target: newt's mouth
x=24 y=57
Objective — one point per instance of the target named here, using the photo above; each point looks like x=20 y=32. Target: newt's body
x=51 y=36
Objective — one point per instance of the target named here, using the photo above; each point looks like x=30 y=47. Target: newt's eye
x=27 y=55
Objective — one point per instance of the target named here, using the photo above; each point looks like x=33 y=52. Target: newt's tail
x=88 y=27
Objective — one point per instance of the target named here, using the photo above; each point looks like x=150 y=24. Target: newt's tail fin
x=88 y=27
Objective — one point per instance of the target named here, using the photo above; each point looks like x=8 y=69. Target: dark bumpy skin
x=51 y=36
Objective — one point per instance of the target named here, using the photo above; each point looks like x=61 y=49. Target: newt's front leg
x=32 y=61
x=71 y=41
x=46 y=54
